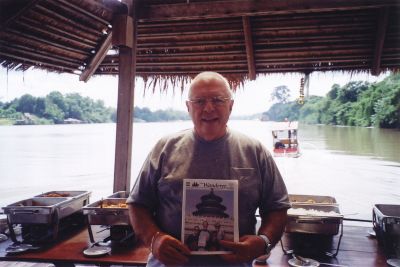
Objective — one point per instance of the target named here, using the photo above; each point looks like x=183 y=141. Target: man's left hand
x=247 y=249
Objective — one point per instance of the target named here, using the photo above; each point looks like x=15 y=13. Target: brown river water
x=360 y=167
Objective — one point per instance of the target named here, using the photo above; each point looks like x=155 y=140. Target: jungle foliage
x=57 y=109
x=147 y=115
x=354 y=104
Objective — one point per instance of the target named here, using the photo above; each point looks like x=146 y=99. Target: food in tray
x=114 y=205
x=311 y=201
x=311 y=212
x=56 y=195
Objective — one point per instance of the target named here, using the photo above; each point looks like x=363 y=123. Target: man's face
x=205 y=225
x=210 y=117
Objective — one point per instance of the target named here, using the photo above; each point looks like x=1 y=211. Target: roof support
x=380 y=38
x=249 y=48
x=97 y=59
x=127 y=30
x=89 y=14
x=238 y=8
x=20 y=13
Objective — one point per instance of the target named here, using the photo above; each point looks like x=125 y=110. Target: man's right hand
x=169 y=250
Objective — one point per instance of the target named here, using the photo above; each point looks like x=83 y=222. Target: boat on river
x=284 y=139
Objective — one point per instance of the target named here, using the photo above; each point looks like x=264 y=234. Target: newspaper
x=209 y=214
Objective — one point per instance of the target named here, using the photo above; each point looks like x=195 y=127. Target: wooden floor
x=357 y=249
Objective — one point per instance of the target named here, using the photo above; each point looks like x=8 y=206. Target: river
x=358 y=166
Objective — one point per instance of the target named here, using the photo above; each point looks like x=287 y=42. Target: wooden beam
x=36 y=62
x=249 y=48
x=65 y=19
x=97 y=59
x=53 y=29
x=29 y=37
x=83 y=11
x=20 y=13
x=122 y=28
x=55 y=36
x=235 y=8
x=126 y=87
x=41 y=55
x=49 y=19
x=379 y=41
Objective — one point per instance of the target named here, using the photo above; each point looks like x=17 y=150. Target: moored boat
x=285 y=142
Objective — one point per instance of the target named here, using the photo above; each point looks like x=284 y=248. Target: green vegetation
x=146 y=114
x=72 y=108
x=55 y=109
x=354 y=104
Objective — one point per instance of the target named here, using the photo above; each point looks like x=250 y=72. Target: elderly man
x=209 y=151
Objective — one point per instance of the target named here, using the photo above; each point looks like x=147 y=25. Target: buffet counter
x=357 y=249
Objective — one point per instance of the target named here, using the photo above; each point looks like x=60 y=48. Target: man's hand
x=247 y=249
x=169 y=250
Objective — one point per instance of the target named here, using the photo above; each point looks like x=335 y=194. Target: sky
x=254 y=97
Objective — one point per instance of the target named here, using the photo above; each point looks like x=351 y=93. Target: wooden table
x=356 y=249
x=70 y=250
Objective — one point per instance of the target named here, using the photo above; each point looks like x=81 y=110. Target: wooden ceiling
x=239 y=38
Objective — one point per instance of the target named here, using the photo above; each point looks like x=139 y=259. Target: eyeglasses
x=215 y=101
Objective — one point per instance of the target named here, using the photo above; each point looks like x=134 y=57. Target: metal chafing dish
x=112 y=213
x=109 y=211
x=40 y=216
x=386 y=222
x=37 y=210
x=314 y=215
x=317 y=219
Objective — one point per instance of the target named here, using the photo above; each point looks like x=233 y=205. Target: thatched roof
x=179 y=38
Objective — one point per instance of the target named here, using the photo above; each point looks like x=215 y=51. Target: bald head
x=207 y=78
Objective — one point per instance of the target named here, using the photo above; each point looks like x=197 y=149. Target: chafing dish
x=40 y=216
x=37 y=210
x=112 y=213
x=386 y=221
x=314 y=215
x=109 y=211
x=45 y=209
x=316 y=219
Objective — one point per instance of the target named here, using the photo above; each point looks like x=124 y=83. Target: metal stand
x=327 y=253
x=109 y=238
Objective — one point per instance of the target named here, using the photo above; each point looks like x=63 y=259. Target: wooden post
x=249 y=48
x=124 y=36
x=380 y=39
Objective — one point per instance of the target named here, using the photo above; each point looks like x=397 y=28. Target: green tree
x=26 y=103
x=354 y=104
x=53 y=112
x=281 y=94
x=58 y=99
x=40 y=106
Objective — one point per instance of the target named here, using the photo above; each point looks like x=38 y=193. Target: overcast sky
x=253 y=98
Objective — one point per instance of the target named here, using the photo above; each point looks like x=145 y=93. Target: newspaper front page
x=209 y=214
